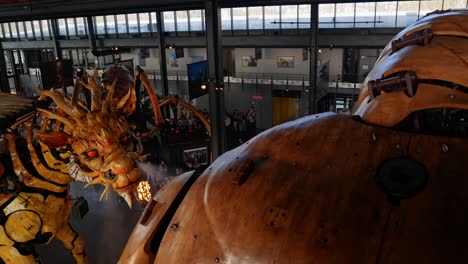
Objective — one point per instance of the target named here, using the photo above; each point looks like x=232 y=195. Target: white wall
x=268 y=63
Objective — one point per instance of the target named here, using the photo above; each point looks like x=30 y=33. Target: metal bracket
x=403 y=82
x=422 y=37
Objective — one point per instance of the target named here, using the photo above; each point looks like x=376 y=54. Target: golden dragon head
x=99 y=136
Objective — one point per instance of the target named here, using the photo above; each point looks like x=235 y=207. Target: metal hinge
x=422 y=37
x=405 y=81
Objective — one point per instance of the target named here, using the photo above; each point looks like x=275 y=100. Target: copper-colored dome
x=328 y=188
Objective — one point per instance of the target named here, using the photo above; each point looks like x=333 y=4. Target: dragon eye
x=91 y=154
x=124 y=140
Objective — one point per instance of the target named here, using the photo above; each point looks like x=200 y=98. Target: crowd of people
x=240 y=127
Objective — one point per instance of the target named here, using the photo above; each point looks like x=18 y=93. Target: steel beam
x=54 y=33
x=162 y=53
x=216 y=77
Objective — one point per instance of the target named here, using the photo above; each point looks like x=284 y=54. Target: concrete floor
x=105 y=228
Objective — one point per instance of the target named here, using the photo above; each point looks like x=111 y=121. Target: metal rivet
x=444 y=148
x=216 y=259
x=374 y=137
x=195 y=237
x=398 y=146
x=174 y=226
x=294 y=164
x=451 y=96
x=265 y=156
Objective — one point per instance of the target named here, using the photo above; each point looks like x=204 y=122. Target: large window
x=71 y=27
x=169 y=21
x=226 y=19
x=344 y=15
x=110 y=25
x=365 y=15
x=37 y=28
x=304 y=16
x=62 y=27
x=196 y=21
x=81 y=29
x=182 y=21
x=239 y=18
x=21 y=30
x=256 y=17
x=407 y=13
x=154 y=25
x=99 y=25
x=144 y=22
x=45 y=28
x=429 y=6
x=448 y=4
x=132 y=23
x=385 y=14
x=28 y=29
x=122 y=24
x=326 y=15
x=289 y=16
x=14 y=30
x=272 y=17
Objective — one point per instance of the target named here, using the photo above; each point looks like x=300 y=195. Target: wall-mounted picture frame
x=285 y=62
x=194 y=158
x=249 y=61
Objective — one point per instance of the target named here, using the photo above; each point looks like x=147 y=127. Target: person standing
x=251 y=122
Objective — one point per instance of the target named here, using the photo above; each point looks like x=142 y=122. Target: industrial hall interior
x=226 y=131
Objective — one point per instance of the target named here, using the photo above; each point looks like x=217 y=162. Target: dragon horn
x=107 y=106
x=57 y=117
x=60 y=101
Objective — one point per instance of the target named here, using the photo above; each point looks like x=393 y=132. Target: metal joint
x=403 y=82
x=422 y=37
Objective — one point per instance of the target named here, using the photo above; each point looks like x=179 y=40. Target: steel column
x=54 y=33
x=4 y=84
x=216 y=77
x=313 y=91
x=162 y=53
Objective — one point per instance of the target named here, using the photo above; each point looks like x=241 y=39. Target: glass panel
x=239 y=16
x=203 y=19
x=453 y=4
x=182 y=21
x=62 y=27
x=256 y=17
x=386 y=14
x=429 y=6
x=1 y=31
x=45 y=28
x=80 y=26
x=21 y=31
x=345 y=13
x=169 y=22
x=304 y=16
x=99 y=25
x=6 y=28
x=326 y=15
x=289 y=16
x=154 y=21
x=37 y=28
x=407 y=13
x=272 y=17
x=121 y=24
x=225 y=18
x=14 y=31
x=144 y=22
x=364 y=15
x=71 y=27
x=110 y=25
x=132 y=23
x=196 y=20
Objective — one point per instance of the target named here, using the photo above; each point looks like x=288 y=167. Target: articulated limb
x=11 y=255
x=73 y=242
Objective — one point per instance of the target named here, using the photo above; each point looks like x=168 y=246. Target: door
x=284 y=109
